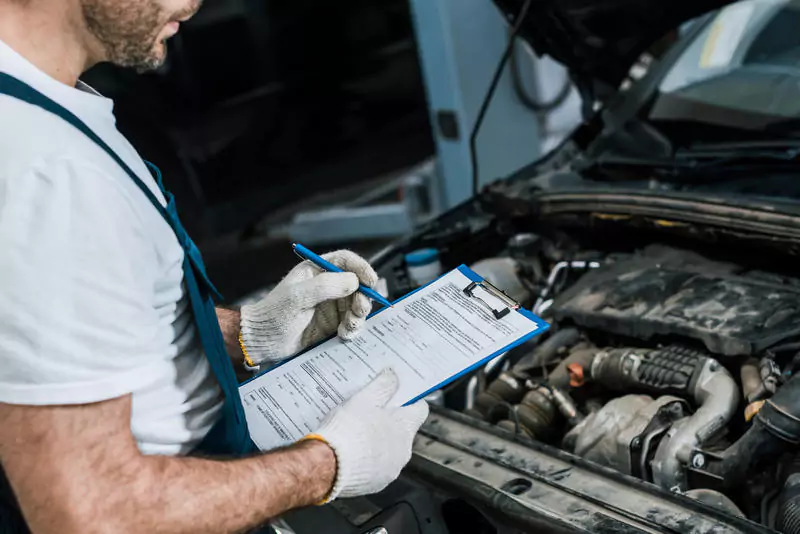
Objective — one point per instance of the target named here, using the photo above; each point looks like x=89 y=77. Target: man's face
x=133 y=33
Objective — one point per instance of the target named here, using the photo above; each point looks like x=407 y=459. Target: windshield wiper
x=747 y=145
x=697 y=165
x=789 y=126
x=613 y=161
x=783 y=150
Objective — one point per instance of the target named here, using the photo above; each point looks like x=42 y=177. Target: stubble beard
x=127 y=31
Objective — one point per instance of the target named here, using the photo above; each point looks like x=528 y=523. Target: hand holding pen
x=306 y=254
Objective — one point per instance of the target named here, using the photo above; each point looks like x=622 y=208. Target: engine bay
x=661 y=363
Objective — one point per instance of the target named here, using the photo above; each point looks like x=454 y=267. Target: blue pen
x=306 y=254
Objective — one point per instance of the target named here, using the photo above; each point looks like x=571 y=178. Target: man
x=107 y=381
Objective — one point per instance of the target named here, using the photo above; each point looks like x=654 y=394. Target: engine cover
x=668 y=292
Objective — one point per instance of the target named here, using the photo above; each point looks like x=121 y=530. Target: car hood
x=599 y=40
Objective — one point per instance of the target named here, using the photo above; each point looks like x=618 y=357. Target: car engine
x=661 y=364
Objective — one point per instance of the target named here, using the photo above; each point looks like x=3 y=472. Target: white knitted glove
x=306 y=307
x=372 y=441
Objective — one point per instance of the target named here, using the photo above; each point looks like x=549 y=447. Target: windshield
x=740 y=68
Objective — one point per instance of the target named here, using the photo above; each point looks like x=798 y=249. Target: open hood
x=599 y=40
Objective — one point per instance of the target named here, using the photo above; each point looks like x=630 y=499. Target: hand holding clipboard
x=430 y=337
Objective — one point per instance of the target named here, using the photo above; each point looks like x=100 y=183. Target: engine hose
x=681 y=372
x=751 y=380
x=760 y=380
x=788 y=518
x=548 y=350
x=789 y=513
x=775 y=430
x=749 y=453
x=537 y=412
x=580 y=359
x=509 y=387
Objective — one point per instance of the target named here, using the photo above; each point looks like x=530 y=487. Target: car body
x=659 y=241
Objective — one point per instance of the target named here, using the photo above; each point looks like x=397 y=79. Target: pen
x=306 y=254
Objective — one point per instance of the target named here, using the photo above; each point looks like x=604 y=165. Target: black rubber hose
x=537 y=412
x=750 y=452
x=786 y=347
x=775 y=430
x=510 y=387
x=781 y=413
x=789 y=514
x=548 y=350
x=788 y=518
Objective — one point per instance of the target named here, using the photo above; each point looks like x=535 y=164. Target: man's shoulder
x=29 y=135
x=34 y=141
x=47 y=162
x=41 y=155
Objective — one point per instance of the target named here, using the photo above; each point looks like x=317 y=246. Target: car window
x=746 y=58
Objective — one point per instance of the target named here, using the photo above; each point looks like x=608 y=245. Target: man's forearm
x=196 y=495
x=76 y=469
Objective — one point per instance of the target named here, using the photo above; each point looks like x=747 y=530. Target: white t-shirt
x=92 y=305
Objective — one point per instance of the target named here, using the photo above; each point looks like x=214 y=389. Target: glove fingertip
x=368 y=276
x=361 y=306
x=382 y=388
x=389 y=379
x=416 y=414
x=352 y=279
x=349 y=329
x=354 y=320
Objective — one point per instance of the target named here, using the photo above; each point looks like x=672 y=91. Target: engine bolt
x=635 y=443
x=698 y=461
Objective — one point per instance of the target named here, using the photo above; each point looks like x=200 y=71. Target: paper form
x=428 y=338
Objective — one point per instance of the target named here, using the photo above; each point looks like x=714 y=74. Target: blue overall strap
x=230 y=435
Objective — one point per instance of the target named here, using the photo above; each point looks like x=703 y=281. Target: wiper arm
x=695 y=166
x=784 y=127
x=614 y=161
x=748 y=145
x=707 y=154
x=738 y=152
x=613 y=168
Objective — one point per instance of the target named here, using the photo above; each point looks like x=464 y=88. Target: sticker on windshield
x=725 y=35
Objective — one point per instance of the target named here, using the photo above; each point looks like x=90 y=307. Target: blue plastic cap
x=423 y=256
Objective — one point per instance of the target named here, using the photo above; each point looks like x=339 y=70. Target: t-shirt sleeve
x=77 y=279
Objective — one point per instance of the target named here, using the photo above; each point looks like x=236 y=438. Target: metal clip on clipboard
x=495 y=292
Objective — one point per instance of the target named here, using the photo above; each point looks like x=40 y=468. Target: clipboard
x=477 y=298
x=509 y=305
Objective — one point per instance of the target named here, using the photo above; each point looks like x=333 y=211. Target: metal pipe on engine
x=675 y=371
x=544 y=301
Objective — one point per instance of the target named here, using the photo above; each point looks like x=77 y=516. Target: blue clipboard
x=477 y=280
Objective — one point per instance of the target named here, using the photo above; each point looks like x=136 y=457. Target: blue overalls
x=229 y=436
